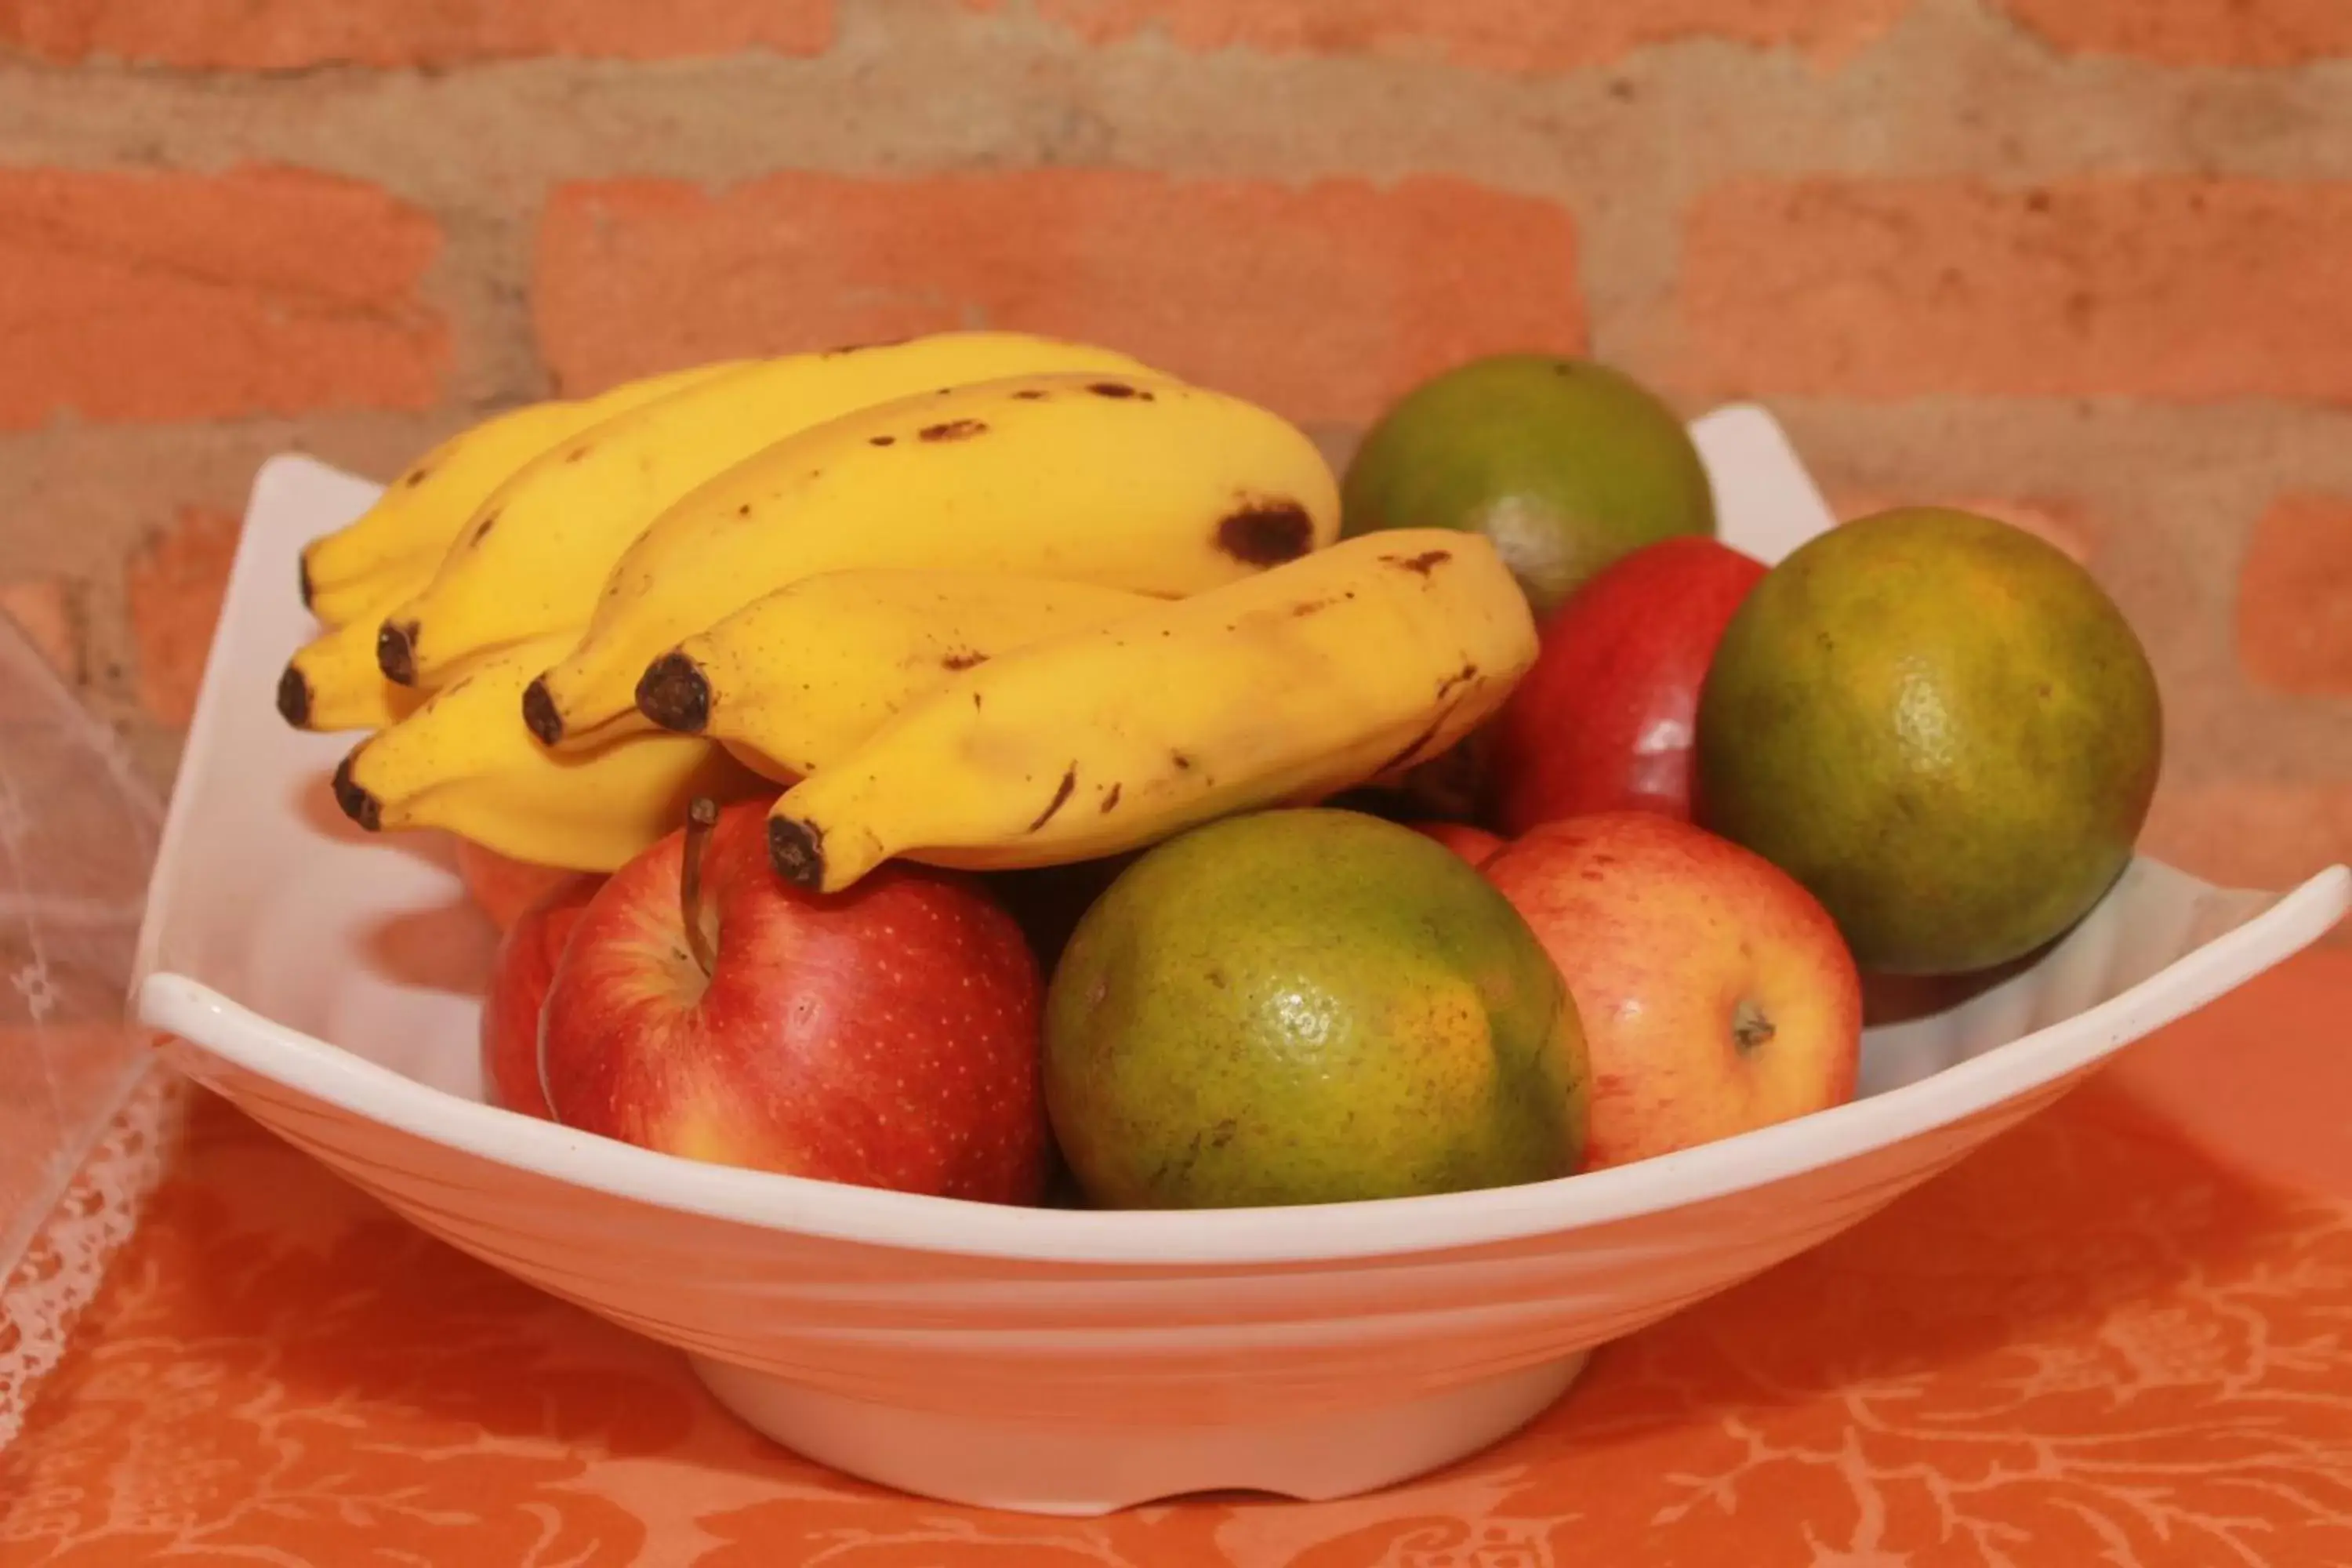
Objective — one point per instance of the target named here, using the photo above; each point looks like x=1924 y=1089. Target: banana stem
x=700 y=817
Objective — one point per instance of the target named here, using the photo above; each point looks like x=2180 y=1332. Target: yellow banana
x=538 y=551
x=389 y=551
x=1350 y=664
x=332 y=683
x=793 y=681
x=1125 y=481
x=461 y=762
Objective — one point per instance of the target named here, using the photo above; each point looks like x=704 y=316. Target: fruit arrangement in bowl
x=1067 y=952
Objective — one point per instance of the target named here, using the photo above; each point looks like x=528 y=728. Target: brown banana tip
x=358 y=804
x=396 y=652
x=294 y=697
x=797 y=851
x=539 y=714
x=675 y=694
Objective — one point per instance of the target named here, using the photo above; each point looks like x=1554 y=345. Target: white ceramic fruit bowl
x=1041 y=1359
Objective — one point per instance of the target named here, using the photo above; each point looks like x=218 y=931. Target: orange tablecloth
x=2122 y=1335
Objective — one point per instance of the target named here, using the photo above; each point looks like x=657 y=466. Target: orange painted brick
x=2294 y=596
x=2172 y=288
x=1322 y=301
x=43 y=609
x=286 y=35
x=2192 y=32
x=174 y=586
x=194 y=296
x=1494 y=34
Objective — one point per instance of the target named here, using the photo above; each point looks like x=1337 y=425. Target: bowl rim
x=1296 y=1234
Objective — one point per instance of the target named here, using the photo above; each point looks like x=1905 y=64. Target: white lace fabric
x=85 y=1120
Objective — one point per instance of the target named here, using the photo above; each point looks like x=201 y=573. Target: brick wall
x=2080 y=262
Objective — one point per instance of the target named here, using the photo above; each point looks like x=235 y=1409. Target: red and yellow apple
x=1605 y=719
x=519 y=975
x=886 y=1035
x=1716 y=994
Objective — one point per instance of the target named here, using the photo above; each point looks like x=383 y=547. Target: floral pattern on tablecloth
x=2088 y=1344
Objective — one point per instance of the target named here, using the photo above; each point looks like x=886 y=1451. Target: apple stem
x=700 y=819
x=1749 y=1026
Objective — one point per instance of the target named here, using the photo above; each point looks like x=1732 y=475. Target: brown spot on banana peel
x=1183 y=764
x=1421 y=564
x=1111 y=800
x=675 y=694
x=540 y=715
x=1266 y=532
x=482 y=528
x=1061 y=796
x=1311 y=607
x=964 y=659
x=797 y=852
x=953 y=430
x=1030 y=394
x=578 y=452
x=417 y=476
x=1119 y=389
x=395 y=651
x=294 y=697
x=881 y=440
x=357 y=804
x=1462 y=676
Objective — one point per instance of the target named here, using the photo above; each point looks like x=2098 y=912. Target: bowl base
x=1081 y=1470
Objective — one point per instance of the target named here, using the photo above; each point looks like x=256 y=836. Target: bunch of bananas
x=984 y=599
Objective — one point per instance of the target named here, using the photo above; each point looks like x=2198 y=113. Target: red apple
x=519 y=975
x=1714 y=992
x=887 y=1036
x=1603 y=721
x=1475 y=845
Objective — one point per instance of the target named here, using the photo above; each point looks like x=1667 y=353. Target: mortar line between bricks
x=673 y=118
x=347 y=135
x=872 y=27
